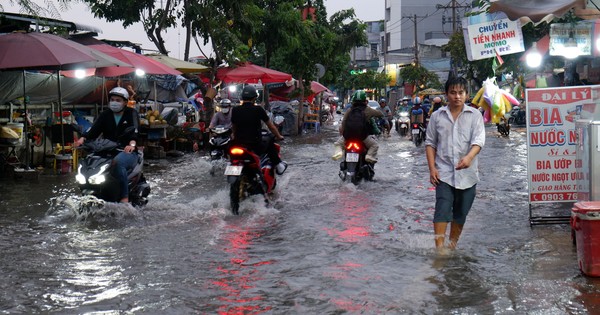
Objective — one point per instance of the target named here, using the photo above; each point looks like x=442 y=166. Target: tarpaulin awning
x=181 y=65
x=536 y=11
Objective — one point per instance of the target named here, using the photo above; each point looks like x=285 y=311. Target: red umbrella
x=317 y=87
x=251 y=73
x=40 y=51
x=141 y=62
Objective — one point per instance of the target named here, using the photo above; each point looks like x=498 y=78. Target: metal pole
x=60 y=113
x=25 y=125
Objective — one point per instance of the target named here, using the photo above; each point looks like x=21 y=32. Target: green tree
x=420 y=77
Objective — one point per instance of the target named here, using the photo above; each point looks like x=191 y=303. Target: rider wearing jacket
x=222 y=118
x=359 y=99
x=247 y=121
x=111 y=124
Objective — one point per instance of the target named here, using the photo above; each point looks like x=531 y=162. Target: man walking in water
x=455 y=136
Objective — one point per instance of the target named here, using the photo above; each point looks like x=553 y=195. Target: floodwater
x=322 y=246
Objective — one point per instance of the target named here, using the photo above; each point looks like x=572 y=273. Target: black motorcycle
x=517 y=116
x=354 y=167
x=95 y=176
x=418 y=133
x=218 y=142
x=503 y=127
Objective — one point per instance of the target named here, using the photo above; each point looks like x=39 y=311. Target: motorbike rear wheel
x=236 y=192
x=417 y=139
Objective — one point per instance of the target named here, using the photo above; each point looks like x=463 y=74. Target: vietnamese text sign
x=580 y=32
x=552 y=139
x=501 y=35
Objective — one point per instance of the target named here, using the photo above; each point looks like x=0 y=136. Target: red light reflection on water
x=354 y=214
x=353 y=225
x=239 y=276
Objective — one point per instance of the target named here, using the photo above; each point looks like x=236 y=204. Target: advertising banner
x=552 y=139
x=487 y=34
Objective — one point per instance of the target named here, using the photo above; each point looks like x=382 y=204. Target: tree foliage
x=420 y=77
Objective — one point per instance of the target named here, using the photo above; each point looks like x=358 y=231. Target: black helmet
x=249 y=93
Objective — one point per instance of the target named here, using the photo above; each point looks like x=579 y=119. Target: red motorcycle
x=249 y=174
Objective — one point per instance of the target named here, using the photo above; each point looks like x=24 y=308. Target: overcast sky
x=366 y=10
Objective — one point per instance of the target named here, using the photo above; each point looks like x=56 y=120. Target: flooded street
x=322 y=246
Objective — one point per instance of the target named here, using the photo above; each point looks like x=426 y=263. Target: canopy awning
x=536 y=11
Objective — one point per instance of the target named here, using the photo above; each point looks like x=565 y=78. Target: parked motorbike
x=94 y=174
x=354 y=167
x=517 y=116
x=219 y=140
x=418 y=133
x=249 y=174
x=402 y=123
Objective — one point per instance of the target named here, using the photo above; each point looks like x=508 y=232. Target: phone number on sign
x=565 y=196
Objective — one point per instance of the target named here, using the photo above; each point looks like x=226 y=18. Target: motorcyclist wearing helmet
x=437 y=104
x=387 y=116
x=247 y=121
x=223 y=117
x=416 y=113
x=111 y=124
x=359 y=99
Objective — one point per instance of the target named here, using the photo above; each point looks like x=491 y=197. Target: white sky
x=366 y=10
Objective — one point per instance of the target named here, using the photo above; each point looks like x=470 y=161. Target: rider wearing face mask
x=111 y=124
x=222 y=118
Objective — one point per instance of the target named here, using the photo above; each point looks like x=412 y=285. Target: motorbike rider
x=222 y=118
x=247 y=121
x=387 y=116
x=111 y=124
x=359 y=100
x=417 y=114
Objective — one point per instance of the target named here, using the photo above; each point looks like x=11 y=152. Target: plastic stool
x=315 y=124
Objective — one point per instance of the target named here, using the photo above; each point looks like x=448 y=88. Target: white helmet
x=225 y=102
x=417 y=100
x=119 y=91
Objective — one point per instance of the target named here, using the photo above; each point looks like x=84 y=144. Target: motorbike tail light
x=236 y=151
x=415 y=126
x=352 y=145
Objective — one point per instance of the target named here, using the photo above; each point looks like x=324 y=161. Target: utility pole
x=454 y=6
x=415 y=22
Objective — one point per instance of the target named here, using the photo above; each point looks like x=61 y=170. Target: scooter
x=418 y=133
x=517 y=116
x=402 y=123
x=95 y=178
x=354 y=167
x=249 y=174
x=503 y=127
x=218 y=142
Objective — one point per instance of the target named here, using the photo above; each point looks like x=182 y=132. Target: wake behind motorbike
x=402 y=123
x=354 y=167
x=94 y=174
x=249 y=174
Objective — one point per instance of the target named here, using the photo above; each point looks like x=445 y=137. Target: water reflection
x=238 y=276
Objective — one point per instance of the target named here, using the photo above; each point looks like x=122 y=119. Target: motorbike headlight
x=403 y=114
x=99 y=177
x=79 y=177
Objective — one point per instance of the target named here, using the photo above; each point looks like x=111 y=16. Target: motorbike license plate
x=415 y=131
x=351 y=157
x=233 y=170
